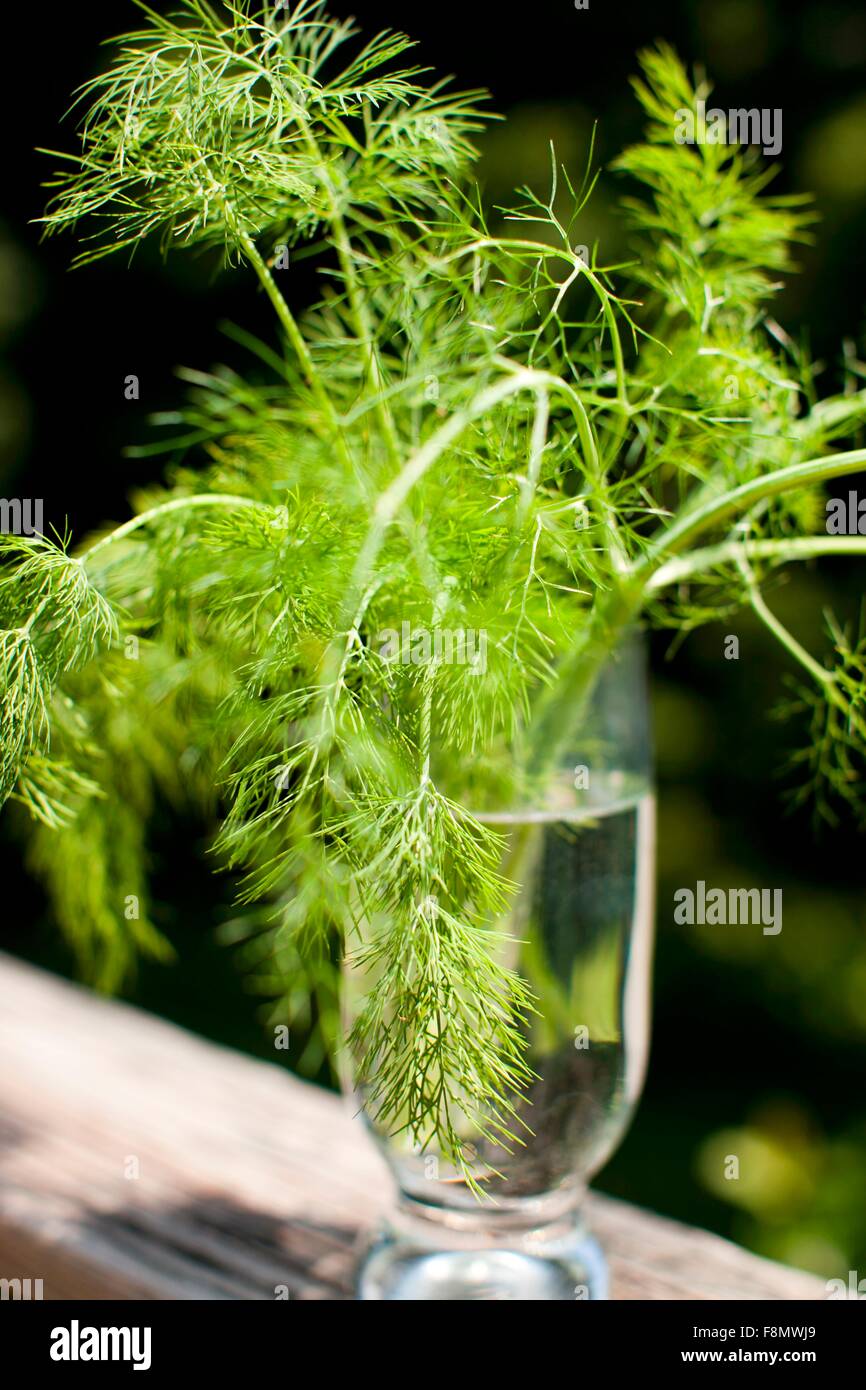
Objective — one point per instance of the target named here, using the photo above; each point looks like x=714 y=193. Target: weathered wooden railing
x=139 y=1162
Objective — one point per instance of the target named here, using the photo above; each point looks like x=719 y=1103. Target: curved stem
x=204 y=499
x=823 y=677
x=778 y=629
x=394 y=496
x=738 y=500
x=728 y=552
x=579 y=267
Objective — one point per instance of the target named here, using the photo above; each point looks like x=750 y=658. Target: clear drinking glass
x=580 y=928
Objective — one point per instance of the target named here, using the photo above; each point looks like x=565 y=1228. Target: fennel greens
x=473 y=429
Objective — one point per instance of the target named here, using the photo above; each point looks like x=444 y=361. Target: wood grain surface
x=140 y=1162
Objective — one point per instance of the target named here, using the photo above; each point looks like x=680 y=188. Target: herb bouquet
x=376 y=607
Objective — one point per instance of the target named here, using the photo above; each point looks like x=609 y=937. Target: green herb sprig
x=473 y=429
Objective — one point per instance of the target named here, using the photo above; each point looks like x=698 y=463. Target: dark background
x=760 y=1042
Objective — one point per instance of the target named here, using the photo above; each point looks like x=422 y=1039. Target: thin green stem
x=381 y=405
x=290 y=326
x=358 y=309
x=364 y=333
x=425 y=738
x=820 y=674
x=544 y=251
x=177 y=504
x=614 y=614
x=779 y=631
x=300 y=347
x=394 y=496
x=738 y=500
x=779 y=551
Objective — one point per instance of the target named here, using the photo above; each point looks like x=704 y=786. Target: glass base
x=422 y=1256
